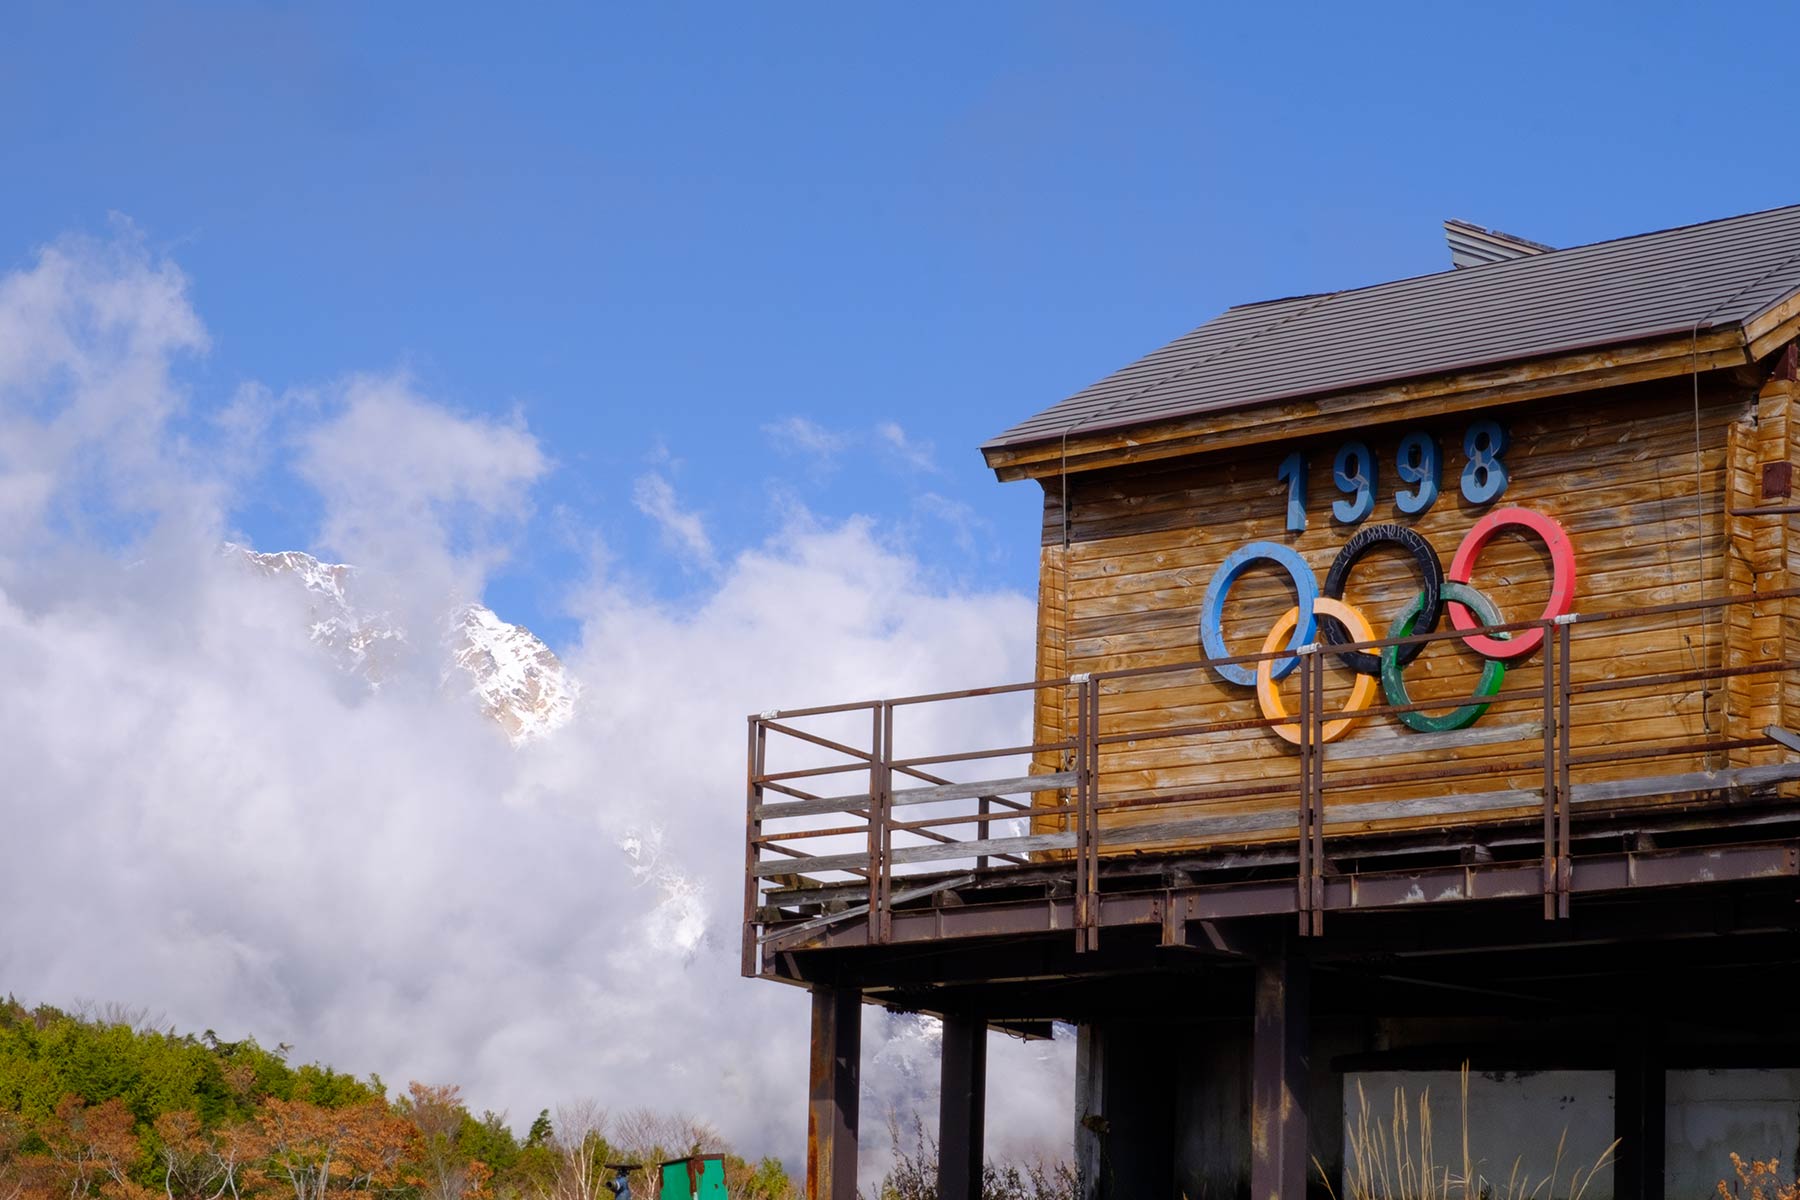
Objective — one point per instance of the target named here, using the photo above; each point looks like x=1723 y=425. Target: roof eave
x=1567 y=370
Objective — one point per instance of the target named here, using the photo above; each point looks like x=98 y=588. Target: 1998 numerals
x=1419 y=462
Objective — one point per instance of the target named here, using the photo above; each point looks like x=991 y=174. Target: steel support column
x=1639 y=1099
x=831 y=1110
x=1090 y=1109
x=962 y=1107
x=1280 y=1086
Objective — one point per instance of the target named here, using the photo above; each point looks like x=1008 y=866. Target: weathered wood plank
x=1215 y=828
x=936 y=852
x=902 y=797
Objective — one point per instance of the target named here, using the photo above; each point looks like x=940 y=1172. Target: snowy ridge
x=518 y=680
x=515 y=678
x=362 y=643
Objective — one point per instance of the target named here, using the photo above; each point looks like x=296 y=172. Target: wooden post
x=962 y=1108
x=1639 y=1099
x=1279 y=1084
x=831 y=1110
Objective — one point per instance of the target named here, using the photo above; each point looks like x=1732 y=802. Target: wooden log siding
x=1616 y=468
x=1754 y=549
x=1051 y=710
x=1765 y=552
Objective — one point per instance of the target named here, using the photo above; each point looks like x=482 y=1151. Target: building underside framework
x=1677 y=951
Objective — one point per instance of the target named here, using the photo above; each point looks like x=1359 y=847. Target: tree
x=767 y=1180
x=14 y=1174
x=579 y=1140
x=447 y=1170
x=647 y=1136
x=197 y=1165
x=308 y=1147
x=91 y=1150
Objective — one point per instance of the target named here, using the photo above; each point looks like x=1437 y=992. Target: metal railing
x=906 y=833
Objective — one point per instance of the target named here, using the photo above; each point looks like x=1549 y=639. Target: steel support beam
x=962 y=1107
x=1395 y=891
x=833 y=1086
x=1090 y=1110
x=1280 y=1086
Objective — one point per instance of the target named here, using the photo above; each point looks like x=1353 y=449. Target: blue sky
x=653 y=232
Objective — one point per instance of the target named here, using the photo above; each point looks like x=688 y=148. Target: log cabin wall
x=1638 y=477
x=1764 y=554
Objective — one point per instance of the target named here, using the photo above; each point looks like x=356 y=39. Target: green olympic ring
x=1493 y=671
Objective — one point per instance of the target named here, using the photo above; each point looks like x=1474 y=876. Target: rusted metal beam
x=1565 y=791
x=1389 y=890
x=1551 y=776
x=777 y=936
x=833 y=1092
x=962 y=1107
x=1280 y=1090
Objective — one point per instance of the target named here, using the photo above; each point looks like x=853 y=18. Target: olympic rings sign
x=1324 y=612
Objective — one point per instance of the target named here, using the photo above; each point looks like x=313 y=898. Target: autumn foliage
x=1758 y=1179
x=107 y=1107
x=292 y=1148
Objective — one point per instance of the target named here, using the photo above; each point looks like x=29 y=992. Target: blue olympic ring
x=1212 y=610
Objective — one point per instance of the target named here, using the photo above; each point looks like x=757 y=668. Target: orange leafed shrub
x=309 y=1148
x=1759 y=1179
x=89 y=1150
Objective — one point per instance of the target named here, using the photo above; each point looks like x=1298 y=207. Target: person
x=620 y=1185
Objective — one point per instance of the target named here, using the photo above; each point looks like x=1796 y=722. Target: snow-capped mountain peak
x=515 y=678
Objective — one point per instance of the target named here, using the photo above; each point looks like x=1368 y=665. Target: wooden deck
x=917 y=855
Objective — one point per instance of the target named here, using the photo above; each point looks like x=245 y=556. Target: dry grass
x=1397 y=1159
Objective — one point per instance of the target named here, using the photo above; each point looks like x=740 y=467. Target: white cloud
x=792 y=435
x=89 y=336
x=921 y=456
x=413 y=490
x=235 y=838
x=682 y=529
x=962 y=520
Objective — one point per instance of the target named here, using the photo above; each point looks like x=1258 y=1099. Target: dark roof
x=1608 y=293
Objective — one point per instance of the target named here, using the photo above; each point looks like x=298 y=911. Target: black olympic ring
x=1431 y=574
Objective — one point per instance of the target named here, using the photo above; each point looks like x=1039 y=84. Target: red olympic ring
x=1562 y=579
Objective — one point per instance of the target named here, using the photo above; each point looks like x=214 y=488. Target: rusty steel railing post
x=877 y=759
x=1550 y=772
x=1565 y=735
x=1087 y=820
x=1316 y=855
x=1081 y=803
x=1303 y=825
x=983 y=806
x=887 y=824
x=1093 y=814
x=753 y=769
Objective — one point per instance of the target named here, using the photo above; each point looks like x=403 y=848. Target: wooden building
x=1416 y=685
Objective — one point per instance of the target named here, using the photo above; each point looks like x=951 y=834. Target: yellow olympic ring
x=1361 y=692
